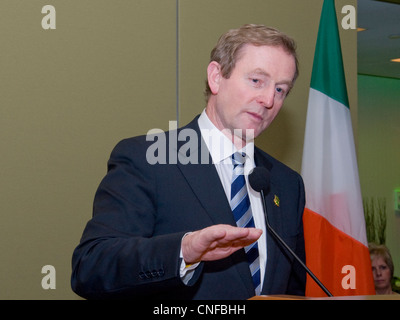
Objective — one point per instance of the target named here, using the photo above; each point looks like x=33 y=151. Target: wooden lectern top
x=288 y=297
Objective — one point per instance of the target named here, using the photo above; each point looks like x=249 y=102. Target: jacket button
x=154 y=274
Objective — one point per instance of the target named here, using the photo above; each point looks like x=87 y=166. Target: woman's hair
x=228 y=48
x=383 y=252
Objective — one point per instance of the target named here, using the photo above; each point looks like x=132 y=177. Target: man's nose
x=266 y=97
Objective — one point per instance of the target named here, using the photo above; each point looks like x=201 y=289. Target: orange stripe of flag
x=331 y=255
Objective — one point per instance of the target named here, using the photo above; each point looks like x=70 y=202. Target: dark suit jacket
x=130 y=248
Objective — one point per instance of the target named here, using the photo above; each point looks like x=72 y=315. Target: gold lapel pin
x=276 y=200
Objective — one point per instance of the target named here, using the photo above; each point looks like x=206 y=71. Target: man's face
x=254 y=93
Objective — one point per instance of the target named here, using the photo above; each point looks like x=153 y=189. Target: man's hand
x=216 y=242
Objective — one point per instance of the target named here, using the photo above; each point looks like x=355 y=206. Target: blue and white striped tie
x=240 y=205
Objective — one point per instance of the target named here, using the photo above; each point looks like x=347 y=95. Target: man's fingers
x=241 y=239
x=226 y=235
x=217 y=242
x=235 y=233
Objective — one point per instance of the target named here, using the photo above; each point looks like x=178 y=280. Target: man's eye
x=255 y=80
x=280 y=90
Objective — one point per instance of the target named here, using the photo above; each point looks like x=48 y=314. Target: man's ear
x=214 y=76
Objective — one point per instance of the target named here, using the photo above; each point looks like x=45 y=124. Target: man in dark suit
x=162 y=222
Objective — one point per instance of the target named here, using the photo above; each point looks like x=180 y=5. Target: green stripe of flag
x=328 y=73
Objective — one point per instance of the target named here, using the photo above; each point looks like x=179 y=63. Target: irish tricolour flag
x=334 y=225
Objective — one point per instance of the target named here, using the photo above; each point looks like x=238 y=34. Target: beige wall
x=108 y=72
x=67 y=96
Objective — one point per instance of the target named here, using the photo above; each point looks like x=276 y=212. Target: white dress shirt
x=221 y=149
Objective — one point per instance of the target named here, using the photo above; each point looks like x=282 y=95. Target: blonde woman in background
x=382 y=268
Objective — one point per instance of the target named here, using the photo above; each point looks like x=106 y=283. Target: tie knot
x=238 y=158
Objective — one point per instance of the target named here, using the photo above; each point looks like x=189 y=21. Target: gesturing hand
x=216 y=242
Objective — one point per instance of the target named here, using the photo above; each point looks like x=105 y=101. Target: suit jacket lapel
x=204 y=180
x=206 y=185
x=273 y=250
x=273 y=211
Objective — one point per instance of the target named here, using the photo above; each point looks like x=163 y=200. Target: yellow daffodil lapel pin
x=276 y=200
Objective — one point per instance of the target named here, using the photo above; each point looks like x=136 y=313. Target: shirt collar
x=218 y=144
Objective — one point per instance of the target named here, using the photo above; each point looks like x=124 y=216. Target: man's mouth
x=255 y=116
